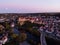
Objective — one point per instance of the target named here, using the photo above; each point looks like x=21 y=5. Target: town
x=18 y=29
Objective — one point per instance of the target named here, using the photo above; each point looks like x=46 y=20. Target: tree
x=22 y=37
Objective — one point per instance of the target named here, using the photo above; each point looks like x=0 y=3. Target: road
x=42 y=39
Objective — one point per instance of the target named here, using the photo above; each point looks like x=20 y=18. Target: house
x=3 y=40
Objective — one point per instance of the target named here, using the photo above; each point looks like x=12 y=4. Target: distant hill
x=31 y=14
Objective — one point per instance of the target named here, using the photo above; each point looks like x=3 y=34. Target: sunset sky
x=29 y=6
